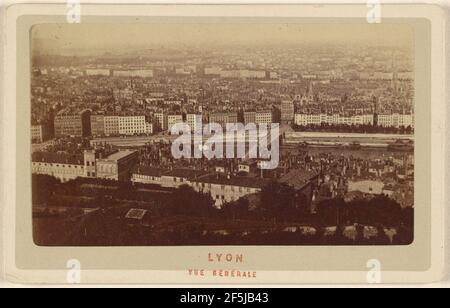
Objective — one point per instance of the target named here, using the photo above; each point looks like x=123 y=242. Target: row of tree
x=279 y=205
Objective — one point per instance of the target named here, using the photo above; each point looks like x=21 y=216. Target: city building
x=238 y=74
x=147 y=175
x=73 y=123
x=376 y=76
x=98 y=125
x=287 y=112
x=111 y=126
x=166 y=178
x=247 y=166
x=120 y=125
x=36 y=133
x=396 y=120
x=250 y=74
x=142 y=73
x=194 y=121
x=98 y=72
x=221 y=188
x=161 y=121
x=174 y=119
x=333 y=119
x=40 y=133
x=179 y=177
x=117 y=166
x=367 y=187
x=223 y=118
x=123 y=94
x=304 y=182
x=134 y=125
x=249 y=117
x=64 y=167
x=213 y=71
x=114 y=165
x=264 y=117
x=225 y=189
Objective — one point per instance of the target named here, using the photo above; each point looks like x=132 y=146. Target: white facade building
x=334 y=119
x=174 y=119
x=396 y=120
x=194 y=121
x=133 y=73
x=161 y=120
x=224 y=190
x=62 y=171
x=264 y=117
x=111 y=125
x=98 y=72
x=134 y=125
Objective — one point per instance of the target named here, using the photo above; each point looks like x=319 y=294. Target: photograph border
x=18 y=251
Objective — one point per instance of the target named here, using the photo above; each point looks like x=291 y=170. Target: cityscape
x=105 y=101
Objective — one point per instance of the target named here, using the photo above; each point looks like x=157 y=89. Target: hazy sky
x=125 y=37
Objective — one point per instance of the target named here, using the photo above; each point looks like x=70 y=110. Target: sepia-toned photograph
x=236 y=132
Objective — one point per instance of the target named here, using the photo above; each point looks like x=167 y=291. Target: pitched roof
x=298 y=178
x=149 y=171
x=137 y=214
x=57 y=158
x=189 y=174
x=119 y=155
x=238 y=181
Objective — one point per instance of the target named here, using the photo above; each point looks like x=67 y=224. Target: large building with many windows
x=173 y=119
x=223 y=118
x=40 y=133
x=166 y=178
x=161 y=121
x=287 y=111
x=395 y=120
x=385 y=120
x=111 y=126
x=142 y=73
x=120 y=125
x=98 y=72
x=249 y=117
x=64 y=167
x=333 y=119
x=117 y=166
x=264 y=117
x=194 y=121
x=73 y=123
x=134 y=125
x=114 y=165
x=224 y=189
x=98 y=125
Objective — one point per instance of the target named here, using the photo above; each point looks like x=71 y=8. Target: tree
x=236 y=210
x=186 y=201
x=279 y=201
x=333 y=212
x=404 y=236
x=43 y=186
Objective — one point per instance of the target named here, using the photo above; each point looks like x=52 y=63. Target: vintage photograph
x=223 y=132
